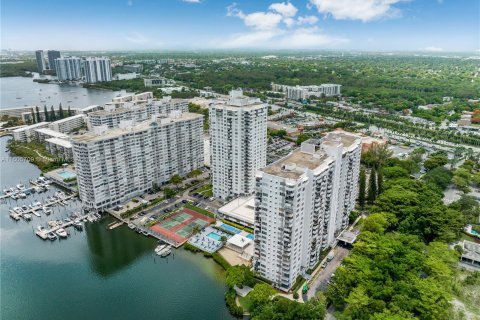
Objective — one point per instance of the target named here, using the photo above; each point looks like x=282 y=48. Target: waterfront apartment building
x=134 y=108
x=52 y=55
x=27 y=133
x=69 y=124
x=115 y=165
x=97 y=69
x=238 y=144
x=41 y=64
x=68 y=68
x=302 y=202
x=305 y=92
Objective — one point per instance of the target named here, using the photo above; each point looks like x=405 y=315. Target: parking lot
x=279 y=148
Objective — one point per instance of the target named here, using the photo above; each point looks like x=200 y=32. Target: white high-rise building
x=305 y=92
x=238 y=144
x=68 y=68
x=97 y=69
x=302 y=203
x=134 y=108
x=114 y=165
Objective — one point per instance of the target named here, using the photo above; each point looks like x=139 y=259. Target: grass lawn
x=205 y=190
x=246 y=303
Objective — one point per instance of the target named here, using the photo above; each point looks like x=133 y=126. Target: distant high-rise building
x=302 y=202
x=52 y=55
x=238 y=144
x=97 y=69
x=68 y=68
x=41 y=65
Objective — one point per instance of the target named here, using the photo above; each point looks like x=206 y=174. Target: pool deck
x=205 y=243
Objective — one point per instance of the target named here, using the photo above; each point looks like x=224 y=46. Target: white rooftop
x=33 y=126
x=51 y=133
x=239 y=241
x=61 y=142
x=242 y=208
x=69 y=118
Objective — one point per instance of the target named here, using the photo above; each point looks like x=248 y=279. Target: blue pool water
x=66 y=174
x=230 y=228
x=214 y=236
x=250 y=236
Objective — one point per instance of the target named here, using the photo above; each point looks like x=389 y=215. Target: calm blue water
x=98 y=273
x=230 y=228
x=22 y=92
x=66 y=174
x=214 y=236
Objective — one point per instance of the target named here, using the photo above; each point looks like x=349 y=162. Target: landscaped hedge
x=297 y=284
x=220 y=260
x=199 y=210
x=235 y=310
x=238 y=226
x=187 y=246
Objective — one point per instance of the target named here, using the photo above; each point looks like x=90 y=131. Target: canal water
x=97 y=273
x=23 y=91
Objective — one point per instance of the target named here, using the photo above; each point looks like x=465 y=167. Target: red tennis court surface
x=179 y=227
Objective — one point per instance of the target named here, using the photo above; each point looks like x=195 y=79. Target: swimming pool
x=250 y=236
x=230 y=228
x=66 y=174
x=214 y=236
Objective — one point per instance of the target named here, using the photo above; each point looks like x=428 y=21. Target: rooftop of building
x=293 y=165
x=33 y=126
x=59 y=141
x=242 y=208
x=93 y=136
x=69 y=118
x=50 y=132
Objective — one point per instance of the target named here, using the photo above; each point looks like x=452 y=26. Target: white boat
x=36 y=213
x=160 y=247
x=22 y=195
x=20 y=186
x=18 y=210
x=47 y=211
x=41 y=229
x=14 y=196
x=6 y=191
x=51 y=236
x=61 y=233
x=27 y=217
x=131 y=226
x=52 y=223
x=78 y=225
x=165 y=252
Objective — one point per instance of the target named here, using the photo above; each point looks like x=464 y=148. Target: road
x=320 y=282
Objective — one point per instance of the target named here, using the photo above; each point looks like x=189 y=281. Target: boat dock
x=44 y=233
x=17 y=215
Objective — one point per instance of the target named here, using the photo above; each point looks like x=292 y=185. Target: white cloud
x=307 y=20
x=433 y=49
x=364 y=10
x=192 y=1
x=278 y=28
x=286 y=9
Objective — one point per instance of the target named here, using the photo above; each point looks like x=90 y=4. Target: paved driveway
x=320 y=283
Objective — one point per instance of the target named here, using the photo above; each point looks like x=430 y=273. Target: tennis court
x=180 y=226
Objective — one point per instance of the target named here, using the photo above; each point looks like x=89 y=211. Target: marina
x=109 y=260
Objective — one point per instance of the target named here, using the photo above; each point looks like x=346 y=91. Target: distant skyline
x=368 y=25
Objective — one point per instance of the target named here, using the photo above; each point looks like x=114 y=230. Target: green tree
x=176 y=179
x=372 y=187
x=61 y=114
x=194 y=173
x=239 y=275
x=362 y=188
x=260 y=296
x=394 y=172
x=53 y=117
x=379 y=180
x=434 y=161
x=37 y=114
x=169 y=193
x=69 y=112
x=33 y=116
x=302 y=137
x=45 y=112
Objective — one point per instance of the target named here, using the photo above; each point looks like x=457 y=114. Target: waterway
x=97 y=273
x=22 y=91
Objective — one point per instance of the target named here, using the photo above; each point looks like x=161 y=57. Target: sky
x=368 y=25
